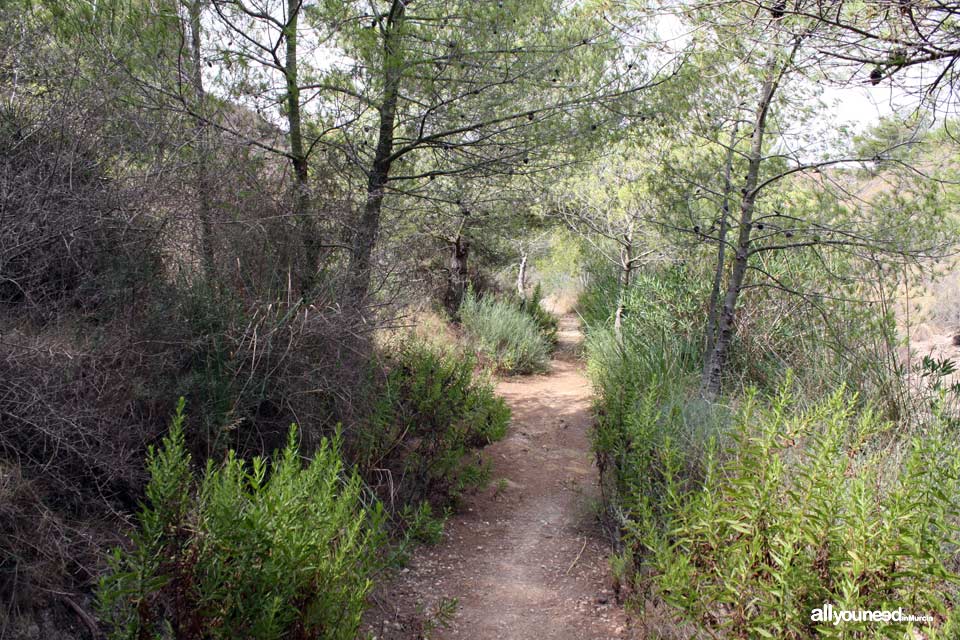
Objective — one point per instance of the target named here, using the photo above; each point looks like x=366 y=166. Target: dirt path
x=524 y=558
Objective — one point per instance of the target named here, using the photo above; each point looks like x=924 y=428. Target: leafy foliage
x=745 y=519
x=258 y=549
x=646 y=420
x=811 y=507
x=546 y=322
x=429 y=412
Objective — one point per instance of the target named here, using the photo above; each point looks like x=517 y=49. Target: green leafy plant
x=504 y=334
x=254 y=549
x=647 y=420
x=547 y=323
x=746 y=517
x=807 y=507
x=430 y=412
x=440 y=617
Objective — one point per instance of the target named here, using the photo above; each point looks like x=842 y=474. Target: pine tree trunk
x=714 y=370
x=712 y=313
x=204 y=182
x=458 y=275
x=625 y=277
x=302 y=201
x=368 y=227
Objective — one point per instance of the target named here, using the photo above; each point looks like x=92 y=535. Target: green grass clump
x=648 y=412
x=254 y=549
x=505 y=335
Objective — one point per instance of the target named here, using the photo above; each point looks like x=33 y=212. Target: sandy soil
x=931 y=340
x=524 y=558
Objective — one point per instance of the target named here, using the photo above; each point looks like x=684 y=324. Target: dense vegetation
x=222 y=218
x=746 y=516
x=228 y=557
x=507 y=334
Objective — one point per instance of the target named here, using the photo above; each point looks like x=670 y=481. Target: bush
x=644 y=386
x=746 y=519
x=504 y=334
x=546 y=322
x=812 y=507
x=429 y=412
x=65 y=242
x=254 y=549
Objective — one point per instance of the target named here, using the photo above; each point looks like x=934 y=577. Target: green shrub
x=254 y=549
x=823 y=505
x=648 y=417
x=430 y=411
x=504 y=334
x=649 y=420
x=547 y=323
x=747 y=519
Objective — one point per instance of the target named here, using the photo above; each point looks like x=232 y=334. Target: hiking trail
x=524 y=558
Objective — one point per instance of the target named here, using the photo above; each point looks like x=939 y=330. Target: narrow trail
x=524 y=558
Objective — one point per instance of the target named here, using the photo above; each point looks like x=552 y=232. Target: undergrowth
x=288 y=548
x=279 y=549
x=803 y=508
x=431 y=410
x=744 y=515
x=547 y=323
x=504 y=334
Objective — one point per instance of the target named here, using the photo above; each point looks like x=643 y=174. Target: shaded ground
x=524 y=558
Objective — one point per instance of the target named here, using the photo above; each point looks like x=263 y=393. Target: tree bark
x=368 y=227
x=522 y=277
x=204 y=182
x=714 y=369
x=625 y=277
x=711 y=329
x=458 y=275
x=298 y=157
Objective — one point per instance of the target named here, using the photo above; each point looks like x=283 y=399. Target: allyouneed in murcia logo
x=828 y=613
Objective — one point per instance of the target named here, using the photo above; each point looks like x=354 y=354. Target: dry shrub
x=65 y=240
x=423 y=324
x=44 y=551
x=73 y=409
x=74 y=413
x=945 y=307
x=107 y=317
x=278 y=363
x=73 y=423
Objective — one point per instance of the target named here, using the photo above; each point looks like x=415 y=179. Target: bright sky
x=861 y=106
x=864 y=105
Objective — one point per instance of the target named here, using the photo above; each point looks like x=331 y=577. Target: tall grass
x=504 y=334
x=547 y=323
x=648 y=417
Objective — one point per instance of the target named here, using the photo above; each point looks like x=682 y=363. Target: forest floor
x=525 y=558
